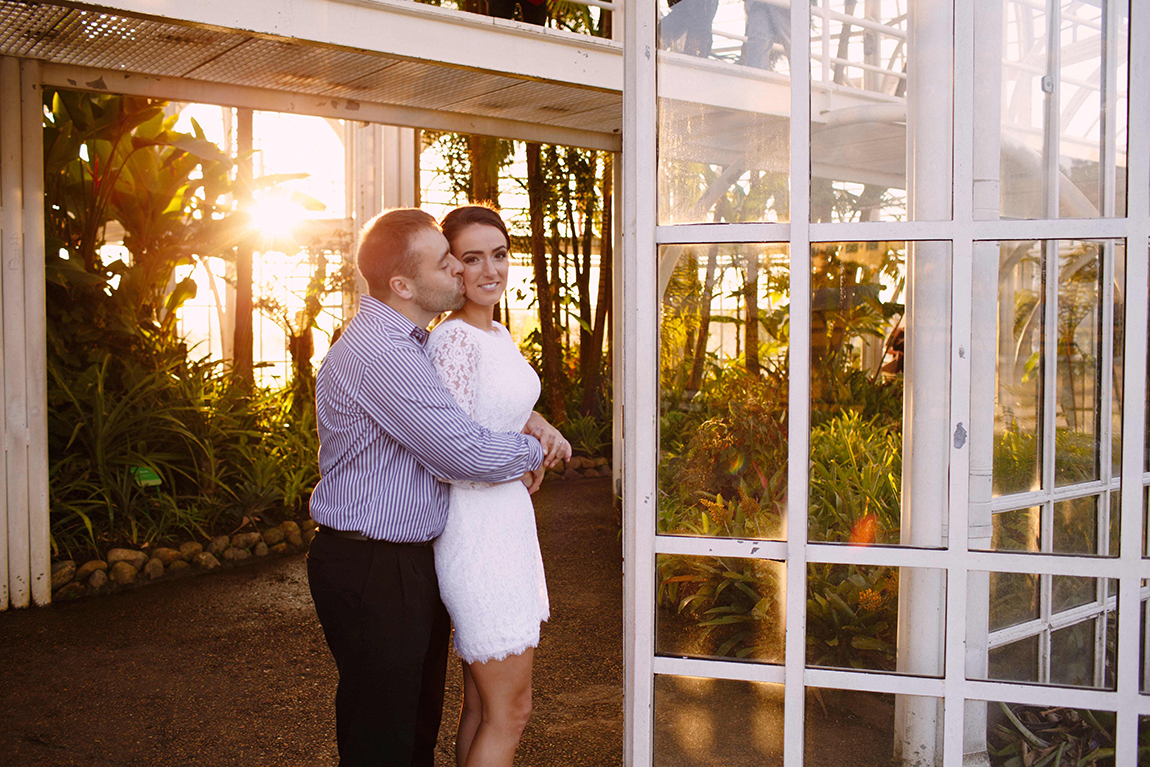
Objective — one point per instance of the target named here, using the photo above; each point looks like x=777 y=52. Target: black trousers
x=387 y=629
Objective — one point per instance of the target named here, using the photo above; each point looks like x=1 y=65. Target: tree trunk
x=484 y=151
x=552 y=368
x=695 y=380
x=593 y=377
x=242 y=340
x=751 y=297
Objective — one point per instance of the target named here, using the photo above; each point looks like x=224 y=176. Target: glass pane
x=857 y=357
x=1061 y=110
x=717 y=722
x=1013 y=599
x=853 y=615
x=848 y=727
x=1018 y=374
x=1015 y=662
x=1143 y=615
x=1068 y=591
x=720 y=607
x=1115 y=524
x=1018 y=530
x=1073 y=732
x=1119 y=358
x=1072 y=655
x=1076 y=526
x=723 y=355
x=724 y=111
x=861 y=83
x=1079 y=359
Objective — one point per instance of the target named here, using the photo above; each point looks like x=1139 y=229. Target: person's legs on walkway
x=505 y=693
x=379 y=607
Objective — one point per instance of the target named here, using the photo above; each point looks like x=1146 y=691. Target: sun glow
x=275 y=217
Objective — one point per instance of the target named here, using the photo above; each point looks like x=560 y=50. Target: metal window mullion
x=639 y=326
x=1128 y=700
x=1109 y=107
x=798 y=387
x=1052 y=134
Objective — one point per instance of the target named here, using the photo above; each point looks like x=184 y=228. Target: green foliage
x=1026 y=736
x=852 y=616
x=588 y=435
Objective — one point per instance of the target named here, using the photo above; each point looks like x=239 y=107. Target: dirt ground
x=231 y=668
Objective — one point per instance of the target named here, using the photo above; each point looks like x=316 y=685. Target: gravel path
x=231 y=668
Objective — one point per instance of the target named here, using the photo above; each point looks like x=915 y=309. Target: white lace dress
x=487 y=558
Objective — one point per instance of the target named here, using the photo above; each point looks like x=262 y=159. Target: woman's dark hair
x=468 y=215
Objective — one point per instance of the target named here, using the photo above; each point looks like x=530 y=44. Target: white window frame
x=639 y=330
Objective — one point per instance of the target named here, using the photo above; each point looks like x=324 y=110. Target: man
x=388 y=428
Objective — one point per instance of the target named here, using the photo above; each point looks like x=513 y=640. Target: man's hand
x=555 y=447
x=533 y=479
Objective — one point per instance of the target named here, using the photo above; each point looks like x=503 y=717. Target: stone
x=179 y=567
x=245 y=540
x=552 y=474
x=589 y=473
x=290 y=528
x=599 y=462
x=62 y=572
x=167 y=556
x=70 y=590
x=205 y=560
x=123 y=573
x=89 y=567
x=232 y=554
x=218 y=544
x=273 y=535
x=295 y=539
x=136 y=559
x=261 y=549
x=190 y=549
x=605 y=471
x=307 y=532
x=280 y=548
x=98 y=579
x=575 y=462
x=571 y=474
x=154 y=569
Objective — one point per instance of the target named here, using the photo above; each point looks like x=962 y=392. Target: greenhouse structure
x=983 y=165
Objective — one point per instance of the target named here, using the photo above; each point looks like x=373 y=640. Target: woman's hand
x=533 y=479
x=555 y=447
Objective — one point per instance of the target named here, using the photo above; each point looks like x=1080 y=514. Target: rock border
x=124 y=568
x=580 y=467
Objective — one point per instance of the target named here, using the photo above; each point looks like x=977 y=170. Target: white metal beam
x=403 y=29
x=266 y=99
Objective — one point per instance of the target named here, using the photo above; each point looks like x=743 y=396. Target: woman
x=487 y=558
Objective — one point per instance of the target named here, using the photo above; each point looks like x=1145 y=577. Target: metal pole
x=926 y=415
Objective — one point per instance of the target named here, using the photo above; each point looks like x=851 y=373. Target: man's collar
x=373 y=307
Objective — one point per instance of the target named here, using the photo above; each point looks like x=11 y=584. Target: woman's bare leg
x=469 y=718
x=505 y=692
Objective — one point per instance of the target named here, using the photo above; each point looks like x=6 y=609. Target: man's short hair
x=385 y=246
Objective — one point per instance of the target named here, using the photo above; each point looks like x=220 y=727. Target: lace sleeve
x=455 y=356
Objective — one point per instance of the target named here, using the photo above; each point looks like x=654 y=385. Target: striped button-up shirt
x=388 y=429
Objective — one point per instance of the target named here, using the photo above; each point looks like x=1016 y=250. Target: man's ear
x=401 y=287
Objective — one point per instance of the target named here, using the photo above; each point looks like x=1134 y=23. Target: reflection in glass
x=1119 y=359
x=1013 y=599
x=1076 y=526
x=1073 y=733
x=1079 y=345
x=1017 y=530
x=1062 y=109
x=1068 y=592
x=1115 y=524
x=1015 y=662
x=857 y=307
x=720 y=607
x=1018 y=374
x=1072 y=655
x=724 y=111
x=723 y=356
x=858 y=153
x=857 y=728
x=717 y=722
